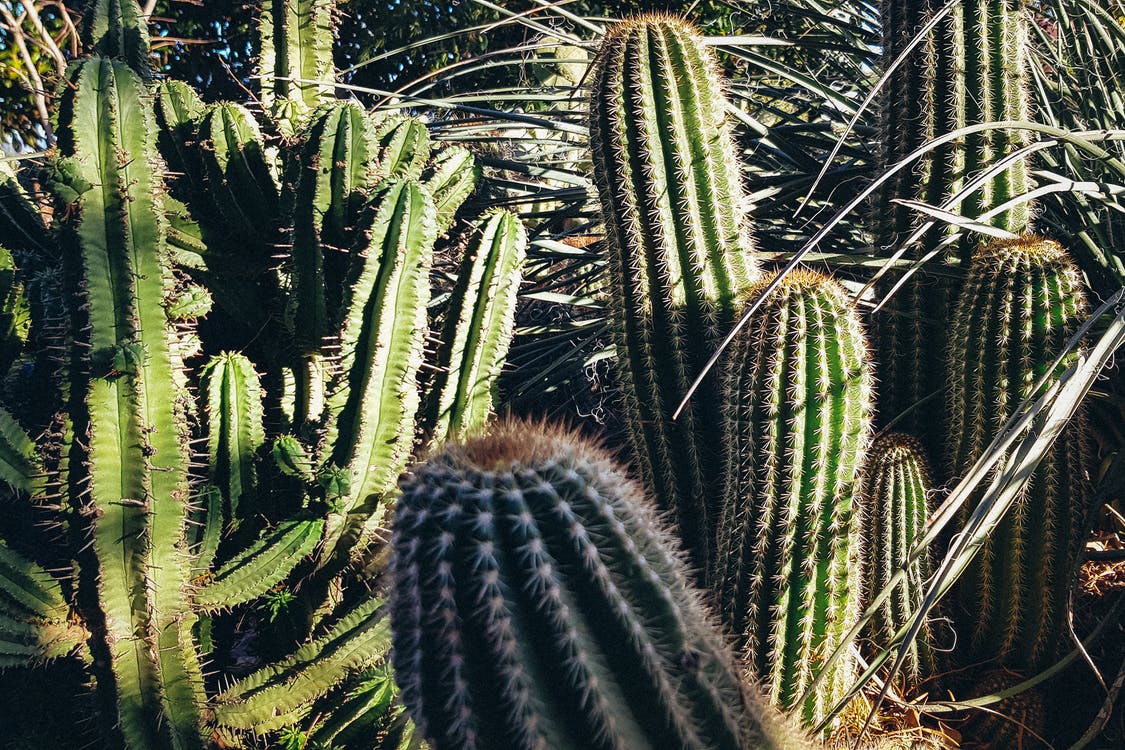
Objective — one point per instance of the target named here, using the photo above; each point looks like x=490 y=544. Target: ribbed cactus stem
x=233 y=413
x=539 y=603
x=373 y=400
x=118 y=29
x=798 y=409
x=296 y=59
x=666 y=171
x=1021 y=302
x=896 y=482
x=971 y=69
x=478 y=328
x=134 y=484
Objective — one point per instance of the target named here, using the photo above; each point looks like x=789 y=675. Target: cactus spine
x=667 y=177
x=538 y=603
x=896 y=481
x=971 y=70
x=134 y=474
x=1022 y=300
x=797 y=404
x=478 y=328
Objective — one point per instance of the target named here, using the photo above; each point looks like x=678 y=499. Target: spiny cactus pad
x=798 y=406
x=539 y=603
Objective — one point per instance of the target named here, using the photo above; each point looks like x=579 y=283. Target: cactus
x=15 y=314
x=797 y=403
x=896 y=482
x=132 y=477
x=539 y=603
x=667 y=176
x=233 y=413
x=1018 y=721
x=118 y=29
x=295 y=66
x=972 y=69
x=478 y=329
x=1022 y=300
x=35 y=622
x=450 y=177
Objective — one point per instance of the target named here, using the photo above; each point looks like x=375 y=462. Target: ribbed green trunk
x=896 y=481
x=1022 y=300
x=133 y=480
x=971 y=69
x=296 y=57
x=539 y=603
x=667 y=176
x=797 y=422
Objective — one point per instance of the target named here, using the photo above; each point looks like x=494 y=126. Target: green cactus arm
x=208 y=529
x=666 y=172
x=233 y=416
x=279 y=694
x=15 y=312
x=28 y=589
x=118 y=29
x=478 y=328
x=373 y=401
x=404 y=148
x=261 y=566
x=241 y=191
x=178 y=112
x=364 y=707
x=450 y=177
x=20 y=467
x=26 y=643
x=21 y=223
x=291 y=458
x=136 y=461
x=296 y=53
x=335 y=177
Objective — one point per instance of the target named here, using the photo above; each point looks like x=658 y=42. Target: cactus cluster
x=270 y=299
x=667 y=176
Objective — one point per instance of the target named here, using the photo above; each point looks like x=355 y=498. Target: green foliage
x=538 y=602
x=1021 y=301
x=798 y=403
x=675 y=218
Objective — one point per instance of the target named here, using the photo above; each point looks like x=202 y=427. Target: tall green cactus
x=797 y=404
x=118 y=28
x=235 y=432
x=667 y=176
x=1021 y=301
x=478 y=329
x=538 y=603
x=972 y=69
x=296 y=57
x=130 y=475
x=896 y=482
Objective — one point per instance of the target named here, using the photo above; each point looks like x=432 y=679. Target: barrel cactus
x=667 y=176
x=896 y=483
x=539 y=603
x=797 y=400
x=1022 y=300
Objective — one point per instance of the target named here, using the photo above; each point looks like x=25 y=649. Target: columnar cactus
x=667 y=176
x=972 y=69
x=539 y=603
x=296 y=66
x=896 y=481
x=1022 y=300
x=129 y=475
x=797 y=403
x=478 y=328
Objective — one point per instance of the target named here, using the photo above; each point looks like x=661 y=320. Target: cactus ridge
x=1022 y=300
x=897 y=480
x=666 y=172
x=283 y=692
x=798 y=395
x=34 y=616
x=118 y=29
x=478 y=328
x=539 y=603
x=21 y=224
x=450 y=177
x=136 y=464
x=20 y=467
x=404 y=148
